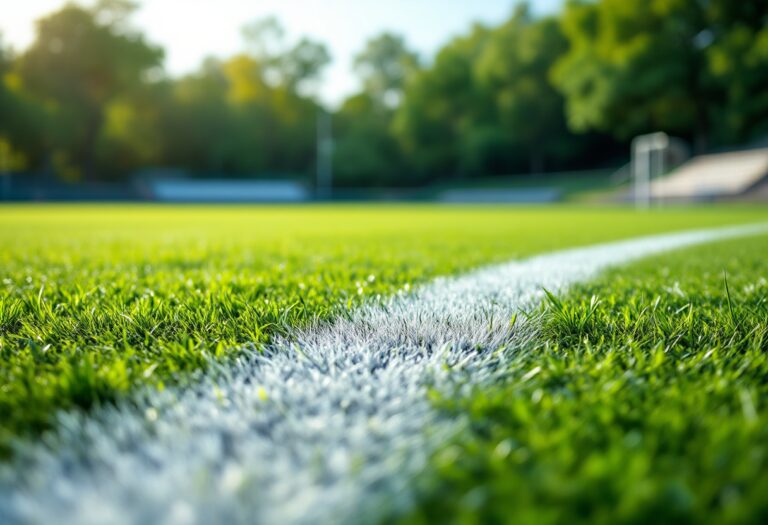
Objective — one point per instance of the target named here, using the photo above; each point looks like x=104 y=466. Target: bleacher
x=719 y=176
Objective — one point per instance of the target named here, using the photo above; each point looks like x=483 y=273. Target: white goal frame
x=643 y=167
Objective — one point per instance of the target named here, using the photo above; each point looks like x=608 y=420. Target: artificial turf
x=643 y=400
x=96 y=300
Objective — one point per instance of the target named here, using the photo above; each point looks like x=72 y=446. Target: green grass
x=96 y=300
x=645 y=400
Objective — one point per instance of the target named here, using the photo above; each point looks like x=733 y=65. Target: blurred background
x=448 y=100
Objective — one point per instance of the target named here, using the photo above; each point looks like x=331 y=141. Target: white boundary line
x=331 y=424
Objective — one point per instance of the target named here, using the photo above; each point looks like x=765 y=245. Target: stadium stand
x=719 y=176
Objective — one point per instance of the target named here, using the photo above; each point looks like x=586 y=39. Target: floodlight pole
x=642 y=150
x=324 y=155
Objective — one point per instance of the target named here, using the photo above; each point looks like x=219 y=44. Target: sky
x=190 y=30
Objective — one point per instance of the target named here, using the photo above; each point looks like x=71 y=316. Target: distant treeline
x=89 y=100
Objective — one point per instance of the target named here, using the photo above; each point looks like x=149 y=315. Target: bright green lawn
x=95 y=300
x=644 y=401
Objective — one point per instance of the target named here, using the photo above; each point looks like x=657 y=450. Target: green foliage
x=88 y=100
x=75 y=67
x=487 y=105
x=365 y=153
x=303 y=63
x=514 y=67
x=385 y=66
x=291 y=66
x=635 y=66
x=643 y=401
x=253 y=126
x=441 y=106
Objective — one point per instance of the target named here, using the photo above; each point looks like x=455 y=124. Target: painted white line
x=330 y=425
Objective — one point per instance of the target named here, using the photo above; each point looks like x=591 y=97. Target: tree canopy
x=385 y=65
x=80 y=61
x=685 y=67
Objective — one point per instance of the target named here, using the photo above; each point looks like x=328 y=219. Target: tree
x=738 y=64
x=384 y=66
x=264 y=38
x=226 y=118
x=303 y=64
x=443 y=112
x=135 y=133
x=22 y=119
x=514 y=68
x=198 y=125
x=80 y=61
x=636 y=66
x=294 y=66
x=7 y=102
x=366 y=153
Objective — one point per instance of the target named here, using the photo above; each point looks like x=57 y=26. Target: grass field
x=643 y=401
x=96 y=301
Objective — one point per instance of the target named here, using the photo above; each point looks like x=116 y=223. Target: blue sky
x=189 y=30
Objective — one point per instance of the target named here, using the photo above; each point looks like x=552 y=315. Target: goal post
x=648 y=161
